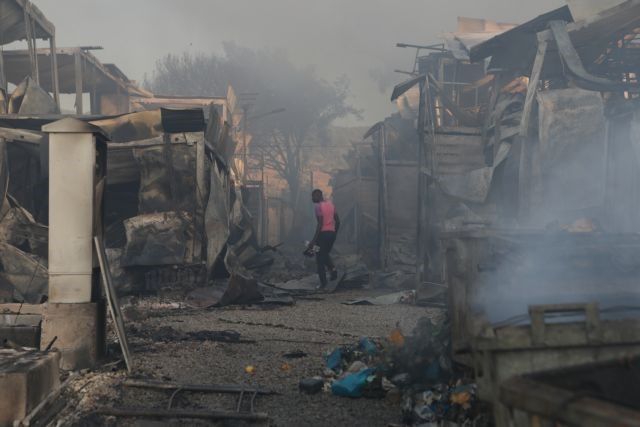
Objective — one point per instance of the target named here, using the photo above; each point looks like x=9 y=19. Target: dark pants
x=325 y=241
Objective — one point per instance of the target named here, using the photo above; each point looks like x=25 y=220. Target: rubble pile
x=283 y=268
x=414 y=372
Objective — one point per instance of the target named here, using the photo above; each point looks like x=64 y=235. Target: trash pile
x=413 y=371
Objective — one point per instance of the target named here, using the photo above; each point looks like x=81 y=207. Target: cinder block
x=80 y=329
x=26 y=378
x=22 y=329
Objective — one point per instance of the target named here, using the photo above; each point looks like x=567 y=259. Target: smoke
x=581 y=251
x=518 y=271
x=384 y=77
x=338 y=37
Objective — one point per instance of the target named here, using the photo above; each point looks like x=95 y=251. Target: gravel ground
x=311 y=326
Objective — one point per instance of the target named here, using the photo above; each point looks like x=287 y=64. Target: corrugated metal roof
x=12 y=22
x=95 y=74
x=524 y=32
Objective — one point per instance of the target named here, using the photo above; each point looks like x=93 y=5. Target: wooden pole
x=211 y=388
x=79 y=77
x=3 y=74
x=181 y=413
x=524 y=183
x=54 y=70
x=35 y=52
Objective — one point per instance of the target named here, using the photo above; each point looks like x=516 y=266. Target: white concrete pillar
x=77 y=156
x=72 y=183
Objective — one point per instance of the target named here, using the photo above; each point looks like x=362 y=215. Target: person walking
x=328 y=224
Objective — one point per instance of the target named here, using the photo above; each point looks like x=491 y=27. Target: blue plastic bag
x=352 y=384
x=367 y=346
x=334 y=360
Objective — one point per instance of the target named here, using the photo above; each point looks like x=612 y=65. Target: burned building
x=527 y=189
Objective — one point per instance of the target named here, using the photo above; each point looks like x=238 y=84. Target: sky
x=355 y=38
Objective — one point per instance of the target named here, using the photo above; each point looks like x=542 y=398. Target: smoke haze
x=352 y=37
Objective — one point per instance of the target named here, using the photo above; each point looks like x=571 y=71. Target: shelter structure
x=22 y=20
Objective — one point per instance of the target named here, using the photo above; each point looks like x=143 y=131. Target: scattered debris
x=181 y=413
x=413 y=370
x=212 y=388
x=404 y=297
x=393 y=280
x=296 y=354
x=169 y=334
x=311 y=385
x=112 y=301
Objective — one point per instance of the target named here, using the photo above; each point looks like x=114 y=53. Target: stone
x=26 y=378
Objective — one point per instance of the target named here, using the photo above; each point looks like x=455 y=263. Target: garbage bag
x=351 y=385
x=334 y=360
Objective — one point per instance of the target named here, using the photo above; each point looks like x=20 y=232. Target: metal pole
x=30 y=45
x=420 y=232
x=356 y=215
x=244 y=144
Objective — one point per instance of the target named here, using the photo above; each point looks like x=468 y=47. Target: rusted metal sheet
x=167 y=177
x=95 y=75
x=12 y=21
x=30 y=99
x=574 y=64
x=520 y=41
x=586 y=9
x=216 y=221
x=156 y=239
x=24 y=277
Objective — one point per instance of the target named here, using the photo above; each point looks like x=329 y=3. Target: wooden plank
x=400 y=163
x=112 y=300
x=15 y=308
x=532 y=89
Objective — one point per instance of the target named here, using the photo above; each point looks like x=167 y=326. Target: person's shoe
x=334 y=274
x=320 y=286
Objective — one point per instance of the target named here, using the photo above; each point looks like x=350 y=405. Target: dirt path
x=310 y=326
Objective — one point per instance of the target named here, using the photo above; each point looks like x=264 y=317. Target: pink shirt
x=326 y=210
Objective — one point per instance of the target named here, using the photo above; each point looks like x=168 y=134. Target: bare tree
x=310 y=103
